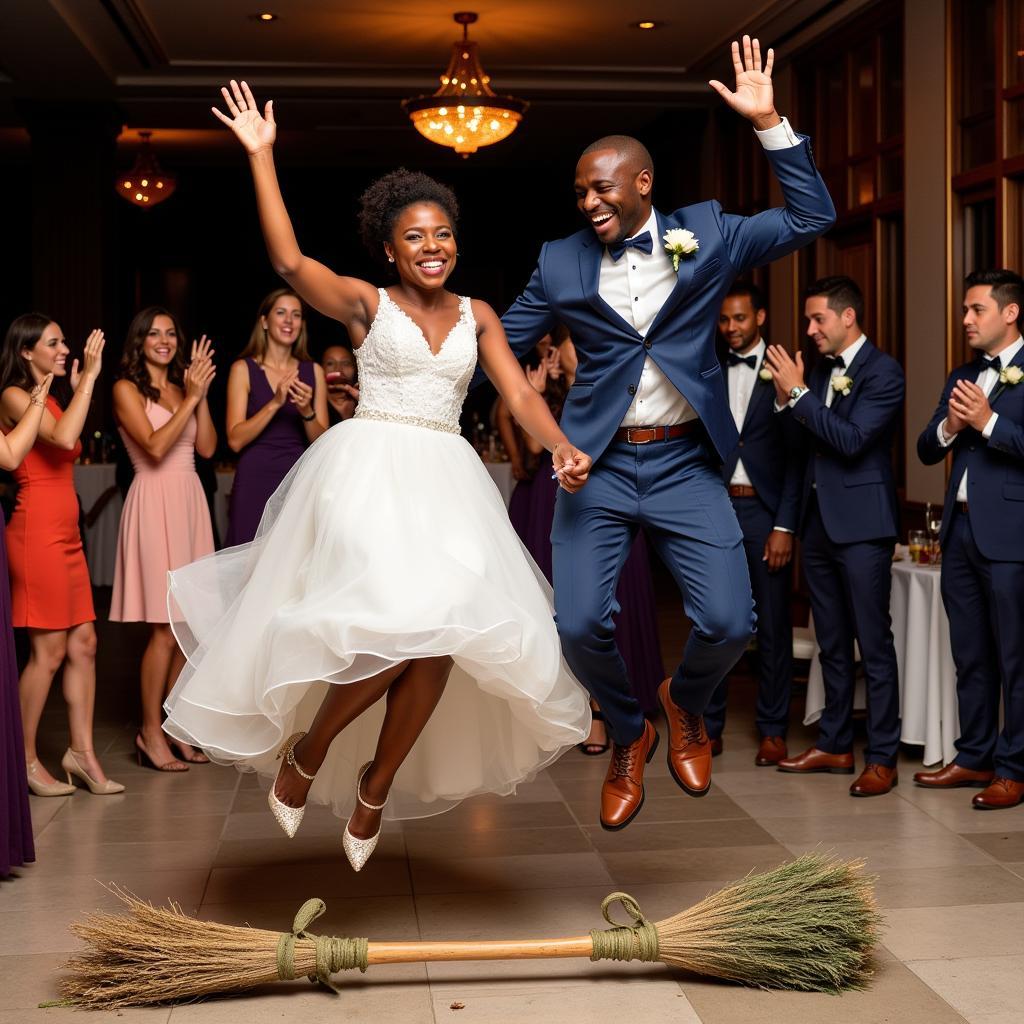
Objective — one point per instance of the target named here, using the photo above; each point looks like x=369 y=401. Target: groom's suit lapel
x=683 y=276
x=1018 y=360
x=590 y=278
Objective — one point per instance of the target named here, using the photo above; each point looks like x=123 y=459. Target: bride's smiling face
x=423 y=245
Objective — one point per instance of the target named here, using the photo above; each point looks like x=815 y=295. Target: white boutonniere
x=766 y=375
x=1011 y=375
x=841 y=385
x=680 y=242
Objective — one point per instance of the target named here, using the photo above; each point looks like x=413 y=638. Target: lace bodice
x=400 y=379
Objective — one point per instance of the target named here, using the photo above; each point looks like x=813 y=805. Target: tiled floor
x=950 y=879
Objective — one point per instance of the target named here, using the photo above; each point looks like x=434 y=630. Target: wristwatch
x=795 y=393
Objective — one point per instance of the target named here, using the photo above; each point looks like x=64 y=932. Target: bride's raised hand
x=255 y=131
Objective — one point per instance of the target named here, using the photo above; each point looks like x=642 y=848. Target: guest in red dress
x=164 y=420
x=16 y=845
x=50 y=591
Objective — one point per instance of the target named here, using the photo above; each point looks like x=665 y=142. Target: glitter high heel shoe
x=359 y=851
x=72 y=767
x=289 y=818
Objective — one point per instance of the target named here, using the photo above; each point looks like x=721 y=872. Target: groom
x=649 y=404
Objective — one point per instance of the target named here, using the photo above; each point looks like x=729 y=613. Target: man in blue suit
x=649 y=405
x=763 y=475
x=849 y=523
x=980 y=419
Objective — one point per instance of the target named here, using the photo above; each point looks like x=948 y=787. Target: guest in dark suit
x=640 y=293
x=849 y=524
x=980 y=419
x=763 y=474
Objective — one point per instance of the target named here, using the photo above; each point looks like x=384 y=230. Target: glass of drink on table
x=916 y=543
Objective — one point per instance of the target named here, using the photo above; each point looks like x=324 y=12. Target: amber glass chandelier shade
x=465 y=113
x=146 y=184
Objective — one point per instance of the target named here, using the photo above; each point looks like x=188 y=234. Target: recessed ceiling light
x=647 y=25
x=265 y=16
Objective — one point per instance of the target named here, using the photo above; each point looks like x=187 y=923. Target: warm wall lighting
x=465 y=113
x=146 y=184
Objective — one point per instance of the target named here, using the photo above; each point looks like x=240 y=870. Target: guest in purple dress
x=277 y=406
x=532 y=508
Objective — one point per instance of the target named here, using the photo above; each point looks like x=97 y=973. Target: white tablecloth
x=920 y=632
x=100 y=539
x=501 y=474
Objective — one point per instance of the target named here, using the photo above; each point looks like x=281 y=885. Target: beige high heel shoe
x=359 y=851
x=289 y=818
x=72 y=768
x=40 y=788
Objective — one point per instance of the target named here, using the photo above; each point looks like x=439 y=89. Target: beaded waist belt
x=409 y=420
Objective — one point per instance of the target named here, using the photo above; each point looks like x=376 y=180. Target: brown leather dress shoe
x=622 y=794
x=689 y=749
x=772 y=751
x=875 y=780
x=717 y=746
x=1000 y=794
x=815 y=760
x=953 y=777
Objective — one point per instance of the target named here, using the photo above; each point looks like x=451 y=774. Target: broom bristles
x=809 y=925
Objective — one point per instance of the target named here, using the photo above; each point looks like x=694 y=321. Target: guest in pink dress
x=161 y=409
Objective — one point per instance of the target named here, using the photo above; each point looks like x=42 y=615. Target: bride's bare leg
x=411 y=701
x=342 y=704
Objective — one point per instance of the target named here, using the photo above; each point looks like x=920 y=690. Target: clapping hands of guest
x=37 y=396
x=968 y=406
x=787 y=373
x=301 y=396
x=92 y=359
x=538 y=376
x=200 y=372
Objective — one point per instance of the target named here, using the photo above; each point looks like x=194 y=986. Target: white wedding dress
x=387 y=541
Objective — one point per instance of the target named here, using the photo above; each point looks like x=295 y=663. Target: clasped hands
x=571 y=466
x=968 y=407
x=291 y=389
x=787 y=373
x=200 y=371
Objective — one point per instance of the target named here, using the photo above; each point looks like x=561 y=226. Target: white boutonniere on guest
x=841 y=385
x=766 y=376
x=680 y=242
x=1011 y=375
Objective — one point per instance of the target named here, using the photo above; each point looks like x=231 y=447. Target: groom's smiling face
x=613 y=193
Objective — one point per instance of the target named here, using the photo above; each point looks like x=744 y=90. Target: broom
x=808 y=925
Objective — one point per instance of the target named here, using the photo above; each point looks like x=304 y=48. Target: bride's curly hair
x=381 y=204
x=133 y=359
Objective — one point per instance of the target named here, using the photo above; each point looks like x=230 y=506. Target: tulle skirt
x=385 y=542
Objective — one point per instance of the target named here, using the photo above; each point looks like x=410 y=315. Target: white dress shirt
x=986 y=381
x=637 y=285
x=742 y=380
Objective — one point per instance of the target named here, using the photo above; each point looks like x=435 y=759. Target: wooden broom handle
x=511 y=949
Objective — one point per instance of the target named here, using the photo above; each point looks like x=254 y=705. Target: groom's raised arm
x=751 y=241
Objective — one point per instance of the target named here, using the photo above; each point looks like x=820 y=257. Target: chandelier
x=146 y=184
x=465 y=113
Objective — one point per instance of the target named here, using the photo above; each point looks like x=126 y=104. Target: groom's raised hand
x=754 y=97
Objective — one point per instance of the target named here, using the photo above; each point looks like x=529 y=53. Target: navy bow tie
x=835 y=361
x=992 y=364
x=735 y=360
x=643 y=242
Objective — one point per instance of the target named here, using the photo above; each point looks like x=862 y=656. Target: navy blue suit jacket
x=771 y=455
x=681 y=340
x=850 y=447
x=995 y=482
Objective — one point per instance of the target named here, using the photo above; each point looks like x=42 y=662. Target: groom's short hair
x=627 y=147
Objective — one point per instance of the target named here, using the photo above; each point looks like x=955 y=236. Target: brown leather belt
x=644 y=435
x=741 y=491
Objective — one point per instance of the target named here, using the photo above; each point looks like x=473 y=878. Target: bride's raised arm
x=347 y=299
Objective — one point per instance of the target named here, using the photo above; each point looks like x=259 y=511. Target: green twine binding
x=638 y=941
x=332 y=954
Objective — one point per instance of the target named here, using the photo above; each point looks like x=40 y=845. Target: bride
x=385 y=565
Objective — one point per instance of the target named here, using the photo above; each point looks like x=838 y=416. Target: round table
x=96 y=482
x=927 y=674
